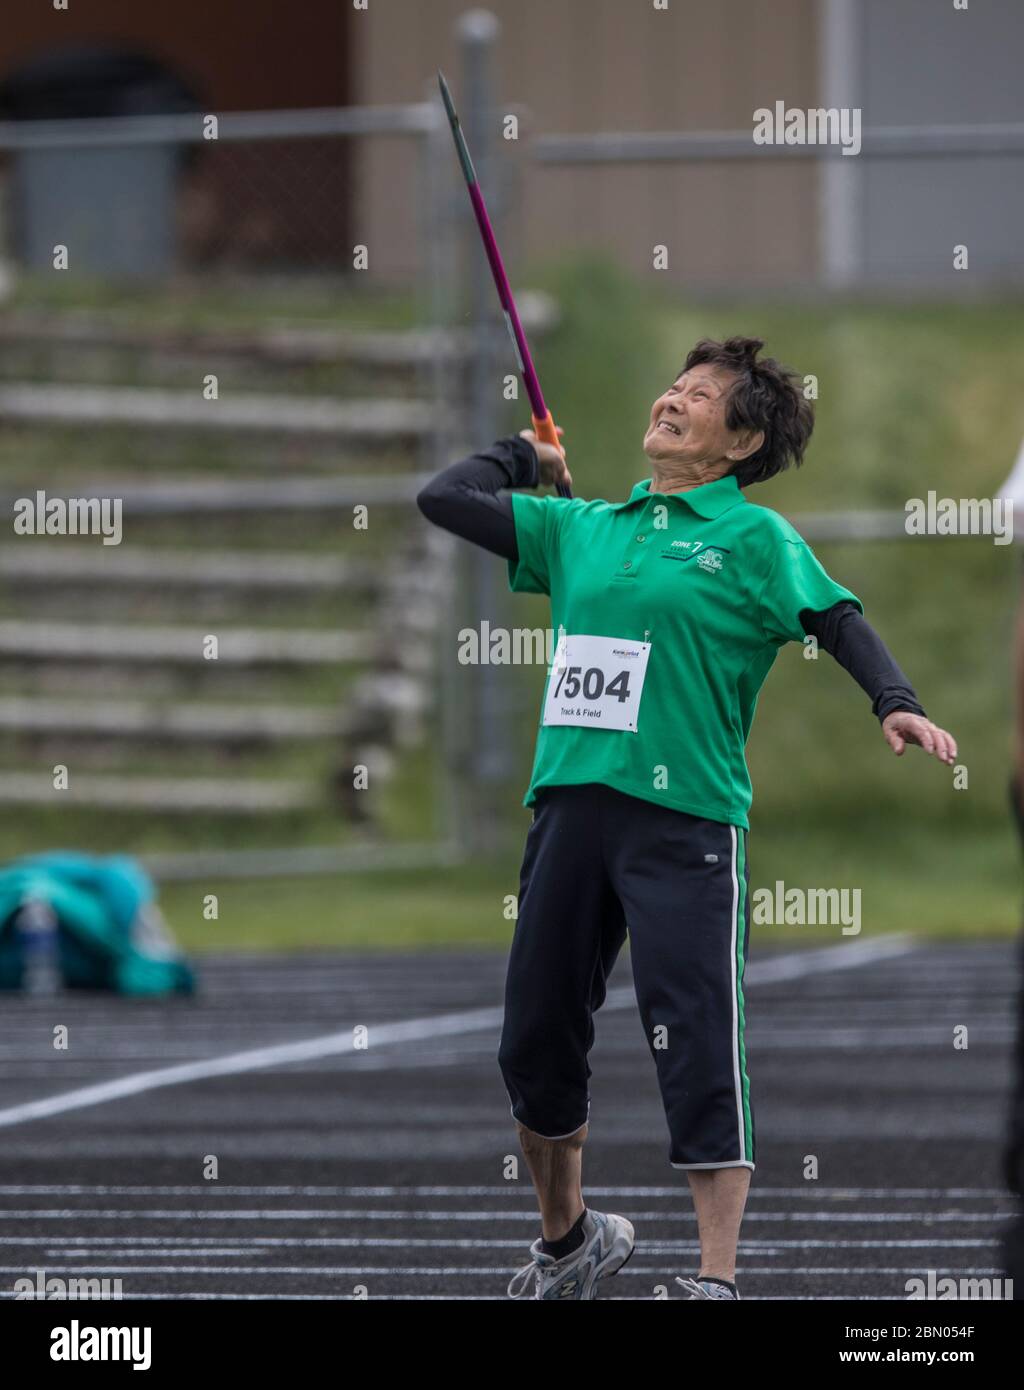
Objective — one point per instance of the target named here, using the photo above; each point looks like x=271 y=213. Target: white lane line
x=850 y=954
x=797 y=965
x=764 y=1248
x=854 y=1218
x=454 y=1271
x=255 y=1059
x=747 y=1271
x=870 y=1039
x=158 y=1252
x=842 y=1271
x=244 y=1244
x=80 y=1214
x=768 y=1247
x=206 y=1297
x=946 y=1218
x=74 y=1246
x=356 y=1270
x=809 y=1190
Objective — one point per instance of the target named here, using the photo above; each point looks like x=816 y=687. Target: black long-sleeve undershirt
x=464 y=499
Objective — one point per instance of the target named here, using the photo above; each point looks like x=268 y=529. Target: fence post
x=477 y=32
x=439 y=189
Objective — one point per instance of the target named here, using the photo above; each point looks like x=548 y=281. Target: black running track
x=383 y=1168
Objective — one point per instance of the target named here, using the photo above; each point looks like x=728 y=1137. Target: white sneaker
x=706 y=1288
x=607 y=1245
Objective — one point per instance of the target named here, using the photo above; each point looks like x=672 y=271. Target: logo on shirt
x=710 y=558
x=711 y=561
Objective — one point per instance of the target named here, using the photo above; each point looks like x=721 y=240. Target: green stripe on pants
x=741 y=918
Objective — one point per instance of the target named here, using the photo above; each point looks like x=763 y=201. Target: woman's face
x=688 y=422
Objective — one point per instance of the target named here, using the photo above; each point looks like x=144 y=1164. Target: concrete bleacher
x=114 y=698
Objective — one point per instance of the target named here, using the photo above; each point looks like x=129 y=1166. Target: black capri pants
x=598 y=862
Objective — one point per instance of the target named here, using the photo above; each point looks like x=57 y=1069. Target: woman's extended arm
x=846 y=635
x=463 y=498
x=844 y=632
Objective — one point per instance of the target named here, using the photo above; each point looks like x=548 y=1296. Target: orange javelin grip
x=545 y=429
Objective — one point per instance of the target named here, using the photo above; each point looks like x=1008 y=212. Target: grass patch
x=220 y=302
x=966 y=888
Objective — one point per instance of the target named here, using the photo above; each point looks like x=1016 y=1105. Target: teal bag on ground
x=110 y=932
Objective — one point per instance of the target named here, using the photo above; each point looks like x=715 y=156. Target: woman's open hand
x=901 y=727
x=553 y=468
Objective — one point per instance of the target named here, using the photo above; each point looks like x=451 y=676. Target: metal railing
x=191 y=128
x=878 y=142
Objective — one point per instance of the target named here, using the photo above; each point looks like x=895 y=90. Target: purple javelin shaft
x=544 y=425
x=530 y=381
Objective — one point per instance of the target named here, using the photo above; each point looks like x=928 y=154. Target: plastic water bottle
x=37 y=929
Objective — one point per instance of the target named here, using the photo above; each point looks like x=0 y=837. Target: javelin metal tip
x=468 y=172
x=446 y=95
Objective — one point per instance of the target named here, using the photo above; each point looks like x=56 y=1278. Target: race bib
x=596 y=682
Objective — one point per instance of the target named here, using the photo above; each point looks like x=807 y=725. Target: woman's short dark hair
x=765 y=396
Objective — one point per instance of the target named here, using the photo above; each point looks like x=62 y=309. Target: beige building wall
x=608 y=65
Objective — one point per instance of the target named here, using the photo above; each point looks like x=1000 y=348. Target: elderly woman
x=670 y=609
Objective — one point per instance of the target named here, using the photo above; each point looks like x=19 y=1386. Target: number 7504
x=591 y=684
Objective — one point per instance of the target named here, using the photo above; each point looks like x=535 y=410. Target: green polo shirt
x=715 y=585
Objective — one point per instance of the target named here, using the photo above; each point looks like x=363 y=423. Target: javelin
x=543 y=424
